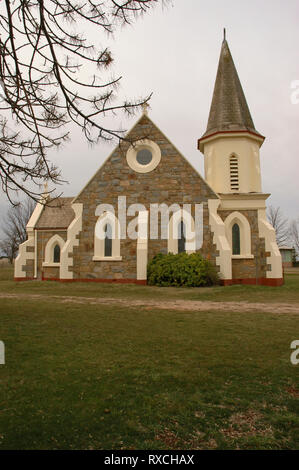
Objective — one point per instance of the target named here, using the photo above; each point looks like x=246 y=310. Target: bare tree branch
x=294 y=235
x=44 y=56
x=280 y=224
x=14 y=227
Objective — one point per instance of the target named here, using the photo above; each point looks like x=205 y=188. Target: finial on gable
x=145 y=108
x=224 y=34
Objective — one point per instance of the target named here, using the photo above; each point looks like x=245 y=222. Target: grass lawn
x=289 y=292
x=83 y=376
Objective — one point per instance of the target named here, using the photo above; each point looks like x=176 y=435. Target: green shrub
x=190 y=270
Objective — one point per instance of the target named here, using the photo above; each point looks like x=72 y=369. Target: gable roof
x=143 y=117
x=229 y=109
x=57 y=214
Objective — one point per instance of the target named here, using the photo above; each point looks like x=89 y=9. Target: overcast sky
x=173 y=52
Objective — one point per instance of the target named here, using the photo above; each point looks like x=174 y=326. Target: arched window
x=56 y=254
x=181 y=237
x=234 y=173
x=181 y=232
x=108 y=240
x=238 y=233
x=53 y=250
x=236 y=244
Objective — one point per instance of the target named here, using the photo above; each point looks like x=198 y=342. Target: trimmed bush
x=189 y=270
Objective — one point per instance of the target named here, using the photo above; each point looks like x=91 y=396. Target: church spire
x=229 y=110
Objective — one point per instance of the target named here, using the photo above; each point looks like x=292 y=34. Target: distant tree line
x=14 y=228
x=287 y=233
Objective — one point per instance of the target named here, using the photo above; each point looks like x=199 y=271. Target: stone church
x=86 y=238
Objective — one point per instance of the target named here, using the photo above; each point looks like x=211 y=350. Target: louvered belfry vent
x=234 y=173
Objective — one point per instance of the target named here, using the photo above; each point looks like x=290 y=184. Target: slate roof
x=58 y=213
x=229 y=109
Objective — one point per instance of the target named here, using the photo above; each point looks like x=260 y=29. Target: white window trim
x=173 y=225
x=49 y=251
x=141 y=145
x=106 y=258
x=99 y=243
x=245 y=234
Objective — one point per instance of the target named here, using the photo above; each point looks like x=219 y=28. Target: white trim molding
x=25 y=255
x=72 y=232
x=245 y=234
x=268 y=233
x=144 y=144
x=224 y=260
x=177 y=217
x=99 y=238
x=49 y=251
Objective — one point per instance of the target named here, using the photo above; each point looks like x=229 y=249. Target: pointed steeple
x=229 y=110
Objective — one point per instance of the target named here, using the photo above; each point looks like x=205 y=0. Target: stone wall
x=29 y=266
x=250 y=268
x=43 y=236
x=173 y=181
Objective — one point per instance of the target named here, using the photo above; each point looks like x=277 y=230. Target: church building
x=114 y=226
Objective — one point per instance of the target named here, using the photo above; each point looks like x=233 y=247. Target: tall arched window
x=181 y=237
x=238 y=233
x=236 y=244
x=56 y=254
x=108 y=240
x=234 y=173
x=53 y=249
x=181 y=232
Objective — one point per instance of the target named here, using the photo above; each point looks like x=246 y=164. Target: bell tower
x=231 y=143
x=231 y=148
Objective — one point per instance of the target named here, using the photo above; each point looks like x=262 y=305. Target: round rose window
x=144 y=156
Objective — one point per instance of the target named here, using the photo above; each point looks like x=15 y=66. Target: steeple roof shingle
x=229 y=110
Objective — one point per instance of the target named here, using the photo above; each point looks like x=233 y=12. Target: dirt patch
x=244 y=425
x=181 y=305
x=294 y=392
x=170 y=439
